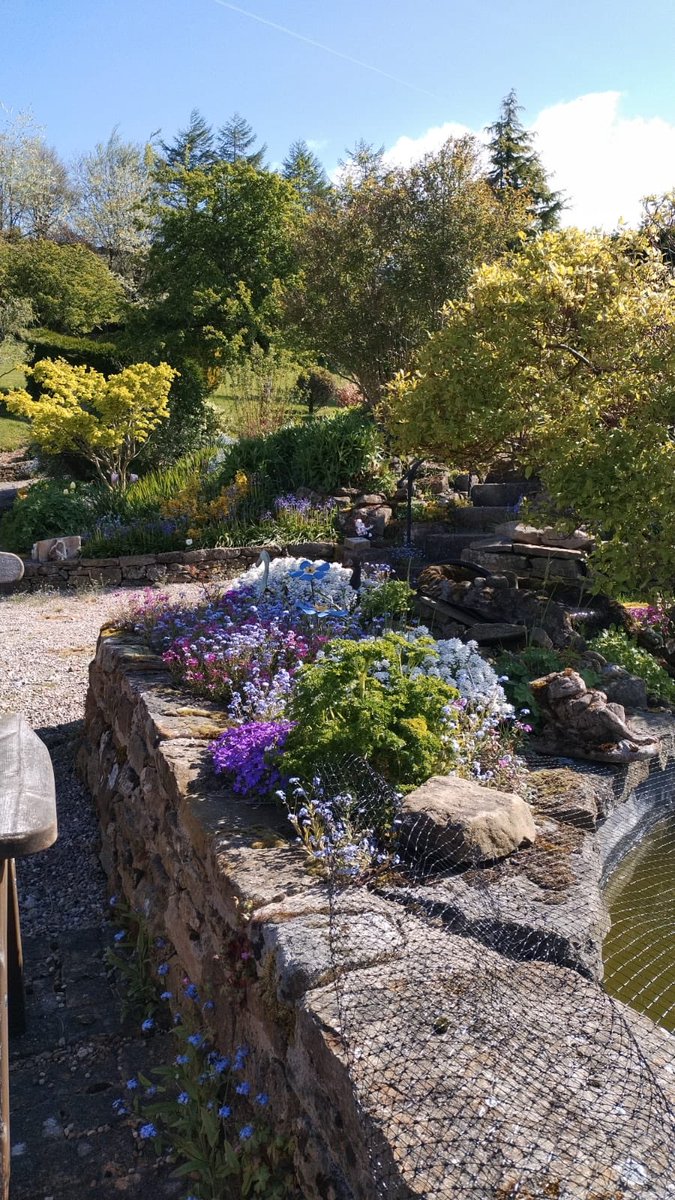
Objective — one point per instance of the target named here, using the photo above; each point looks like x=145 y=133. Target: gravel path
x=76 y=1053
x=47 y=640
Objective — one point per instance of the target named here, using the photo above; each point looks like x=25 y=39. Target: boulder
x=620 y=687
x=494 y=633
x=57 y=549
x=453 y=822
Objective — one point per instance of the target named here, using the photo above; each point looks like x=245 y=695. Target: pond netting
x=485 y=1058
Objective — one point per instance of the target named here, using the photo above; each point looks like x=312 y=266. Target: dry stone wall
x=175 y=566
x=359 y=1066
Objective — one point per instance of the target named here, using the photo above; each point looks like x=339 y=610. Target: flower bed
x=308 y=673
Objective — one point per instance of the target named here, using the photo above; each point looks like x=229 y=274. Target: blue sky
x=84 y=66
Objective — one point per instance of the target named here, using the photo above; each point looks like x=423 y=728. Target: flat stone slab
x=493 y=634
x=11 y=567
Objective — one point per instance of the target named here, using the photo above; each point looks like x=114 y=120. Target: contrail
x=300 y=37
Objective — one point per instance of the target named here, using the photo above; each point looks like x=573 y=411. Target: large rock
x=454 y=822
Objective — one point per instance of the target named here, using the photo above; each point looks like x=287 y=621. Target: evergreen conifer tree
x=192 y=148
x=235 y=141
x=516 y=166
x=302 y=168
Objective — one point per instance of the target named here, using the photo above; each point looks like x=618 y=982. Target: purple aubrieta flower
x=243 y=1089
x=196 y=1039
x=247 y=751
x=148 y=1025
x=246 y=1133
x=191 y=991
x=225 y=1111
x=120 y=935
x=163 y=969
x=120 y=1108
x=166 y=996
x=181 y=1060
x=131 y=1085
x=262 y=1099
x=148 y=1131
x=183 y=1098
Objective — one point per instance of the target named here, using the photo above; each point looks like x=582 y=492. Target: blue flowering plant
x=202 y=1113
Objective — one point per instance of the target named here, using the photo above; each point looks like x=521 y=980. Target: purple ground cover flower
x=247 y=753
x=248 y=667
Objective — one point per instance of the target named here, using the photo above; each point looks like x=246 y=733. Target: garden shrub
x=105 y=355
x=317 y=388
x=363 y=698
x=618 y=647
x=50 y=508
x=322 y=454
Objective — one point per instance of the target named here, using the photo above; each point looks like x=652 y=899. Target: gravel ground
x=47 y=640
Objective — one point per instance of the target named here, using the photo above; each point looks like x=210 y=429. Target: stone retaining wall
x=360 y=1025
x=176 y=566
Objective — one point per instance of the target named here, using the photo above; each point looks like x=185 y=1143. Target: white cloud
x=603 y=161
x=407 y=150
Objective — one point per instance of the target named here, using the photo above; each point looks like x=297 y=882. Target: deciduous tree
x=384 y=251
x=563 y=354
x=113 y=186
x=69 y=287
x=217 y=263
x=107 y=421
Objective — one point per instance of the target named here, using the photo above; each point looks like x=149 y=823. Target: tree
x=193 y=148
x=235 y=141
x=563 y=355
x=114 y=183
x=107 y=421
x=70 y=288
x=35 y=191
x=384 y=251
x=217 y=263
x=658 y=224
x=516 y=166
x=302 y=168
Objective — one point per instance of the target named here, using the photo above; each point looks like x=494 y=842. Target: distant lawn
x=240 y=397
x=13 y=434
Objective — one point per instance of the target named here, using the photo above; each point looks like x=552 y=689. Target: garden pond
x=639 y=951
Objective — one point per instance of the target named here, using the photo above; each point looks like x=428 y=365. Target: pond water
x=639 y=951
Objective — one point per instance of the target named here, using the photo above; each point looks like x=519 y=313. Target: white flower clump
x=333 y=588
x=461 y=665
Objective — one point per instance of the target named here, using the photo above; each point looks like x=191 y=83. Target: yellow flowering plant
x=107 y=421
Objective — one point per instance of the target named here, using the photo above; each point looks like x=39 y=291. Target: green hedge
x=104 y=356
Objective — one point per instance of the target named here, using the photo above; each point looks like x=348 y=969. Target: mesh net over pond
x=486 y=1059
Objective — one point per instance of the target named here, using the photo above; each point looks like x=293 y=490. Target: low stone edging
x=174 y=566
x=217 y=876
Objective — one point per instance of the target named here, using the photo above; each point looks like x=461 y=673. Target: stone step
x=491 y=494
x=443 y=546
x=482 y=519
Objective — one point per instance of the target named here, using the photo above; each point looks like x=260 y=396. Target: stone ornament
x=57 y=549
x=580 y=722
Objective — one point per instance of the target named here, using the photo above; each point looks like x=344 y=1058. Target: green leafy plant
x=321 y=454
x=390 y=600
x=132 y=957
x=363 y=698
x=618 y=647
